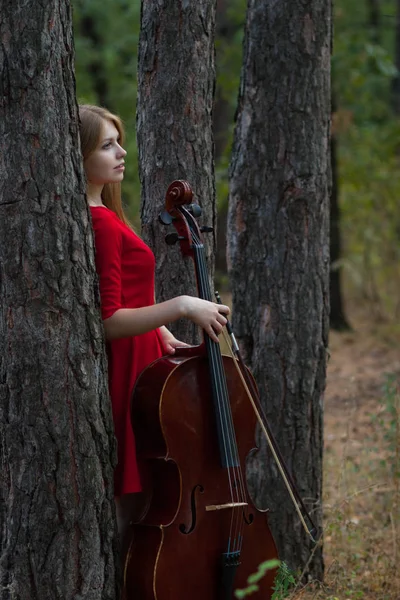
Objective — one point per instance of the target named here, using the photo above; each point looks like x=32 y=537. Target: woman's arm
x=126 y=322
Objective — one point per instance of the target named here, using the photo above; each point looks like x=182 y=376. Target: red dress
x=126 y=270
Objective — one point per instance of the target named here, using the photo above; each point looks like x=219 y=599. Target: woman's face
x=106 y=163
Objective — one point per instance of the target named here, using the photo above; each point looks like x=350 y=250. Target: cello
x=199 y=534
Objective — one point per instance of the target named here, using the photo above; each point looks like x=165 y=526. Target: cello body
x=177 y=549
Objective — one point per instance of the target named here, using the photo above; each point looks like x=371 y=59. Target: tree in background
x=337 y=316
x=396 y=79
x=176 y=78
x=374 y=20
x=278 y=247
x=58 y=538
x=230 y=19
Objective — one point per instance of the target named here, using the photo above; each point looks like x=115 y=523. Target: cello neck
x=219 y=389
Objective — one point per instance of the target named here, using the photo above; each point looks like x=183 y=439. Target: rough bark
x=278 y=247
x=57 y=534
x=174 y=127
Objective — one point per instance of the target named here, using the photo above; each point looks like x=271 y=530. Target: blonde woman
x=134 y=325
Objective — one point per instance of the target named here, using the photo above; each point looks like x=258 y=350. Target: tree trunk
x=174 y=127
x=337 y=317
x=396 y=79
x=223 y=118
x=96 y=65
x=57 y=535
x=374 y=20
x=226 y=30
x=278 y=248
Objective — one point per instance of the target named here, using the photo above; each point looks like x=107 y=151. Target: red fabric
x=126 y=271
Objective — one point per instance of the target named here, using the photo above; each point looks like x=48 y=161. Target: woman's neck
x=93 y=194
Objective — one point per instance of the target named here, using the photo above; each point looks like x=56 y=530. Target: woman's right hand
x=127 y=322
x=209 y=315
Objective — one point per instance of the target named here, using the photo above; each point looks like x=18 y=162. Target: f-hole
x=248 y=519
x=182 y=526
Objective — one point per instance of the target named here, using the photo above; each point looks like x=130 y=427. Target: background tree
x=374 y=20
x=278 y=247
x=176 y=78
x=230 y=19
x=57 y=537
x=396 y=79
x=337 y=317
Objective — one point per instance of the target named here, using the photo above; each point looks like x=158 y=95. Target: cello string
x=220 y=380
x=202 y=281
x=232 y=458
x=240 y=472
x=234 y=466
x=228 y=419
x=227 y=413
x=215 y=367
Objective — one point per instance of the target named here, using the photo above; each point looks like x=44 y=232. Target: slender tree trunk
x=374 y=20
x=222 y=113
x=223 y=118
x=174 y=126
x=278 y=248
x=337 y=317
x=57 y=534
x=396 y=80
x=96 y=66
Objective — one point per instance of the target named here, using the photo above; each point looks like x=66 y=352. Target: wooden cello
x=199 y=535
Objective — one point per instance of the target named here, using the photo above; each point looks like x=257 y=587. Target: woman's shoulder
x=101 y=212
x=103 y=215
x=105 y=221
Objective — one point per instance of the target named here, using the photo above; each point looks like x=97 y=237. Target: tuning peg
x=206 y=229
x=165 y=218
x=194 y=209
x=172 y=238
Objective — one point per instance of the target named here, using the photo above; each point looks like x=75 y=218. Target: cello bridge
x=223 y=506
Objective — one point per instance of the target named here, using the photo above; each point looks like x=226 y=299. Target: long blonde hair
x=91 y=122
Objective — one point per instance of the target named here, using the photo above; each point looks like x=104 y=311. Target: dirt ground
x=357 y=368
x=361 y=493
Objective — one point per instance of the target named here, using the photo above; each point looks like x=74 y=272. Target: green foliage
x=369 y=184
x=284 y=582
x=391 y=424
x=253 y=579
x=368 y=131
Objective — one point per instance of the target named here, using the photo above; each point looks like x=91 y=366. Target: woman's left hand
x=170 y=342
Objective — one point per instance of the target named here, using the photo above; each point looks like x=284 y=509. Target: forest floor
x=362 y=454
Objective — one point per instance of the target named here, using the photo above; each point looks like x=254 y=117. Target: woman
x=134 y=326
